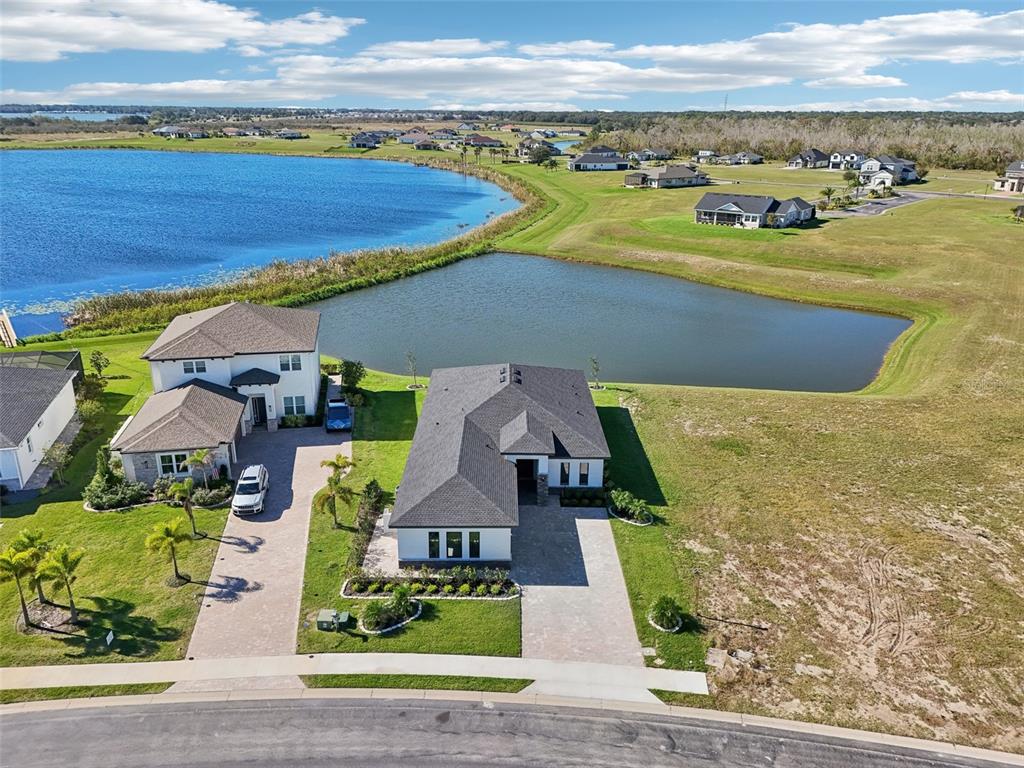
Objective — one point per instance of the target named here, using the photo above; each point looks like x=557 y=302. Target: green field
x=418 y=682
x=120 y=586
x=381 y=438
x=862 y=546
x=14 y=695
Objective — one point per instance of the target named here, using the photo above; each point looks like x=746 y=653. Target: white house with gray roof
x=36 y=405
x=751 y=211
x=218 y=374
x=487 y=436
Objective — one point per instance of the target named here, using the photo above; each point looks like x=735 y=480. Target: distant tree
x=463 y=150
x=410 y=364
x=595 y=369
x=352 y=372
x=99 y=362
x=91 y=387
x=827 y=193
x=505 y=152
x=540 y=154
x=922 y=173
x=57 y=457
x=551 y=164
x=17 y=567
x=201 y=459
x=60 y=565
x=89 y=411
x=1018 y=212
x=165 y=540
x=182 y=493
x=492 y=152
x=477 y=151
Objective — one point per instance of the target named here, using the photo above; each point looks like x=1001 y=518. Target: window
x=474 y=543
x=194 y=366
x=295 y=405
x=584 y=473
x=28 y=442
x=563 y=475
x=291 y=362
x=433 y=545
x=453 y=544
x=173 y=463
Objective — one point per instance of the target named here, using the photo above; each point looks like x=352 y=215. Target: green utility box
x=329 y=620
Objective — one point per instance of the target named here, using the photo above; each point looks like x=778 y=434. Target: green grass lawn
x=120 y=587
x=418 y=682
x=13 y=695
x=382 y=436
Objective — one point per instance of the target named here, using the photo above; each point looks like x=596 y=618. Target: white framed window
x=194 y=366
x=290 y=362
x=295 y=406
x=173 y=463
x=28 y=442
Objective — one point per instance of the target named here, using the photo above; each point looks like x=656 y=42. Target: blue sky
x=521 y=55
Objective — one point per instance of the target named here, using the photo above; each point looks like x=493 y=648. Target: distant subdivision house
x=425 y=144
x=489 y=438
x=364 y=141
x=602 y=149
x=887 y=171
x=525 y=148
x=412 y=137
x=741 y=158
x=751 y=211
x=177 y=132
x=846 y=160
x=809 y=158
x=646 y=155
x=290 y=135
x=667 y=177
x=476 y=140
x=1012 y=179
x=706 y=156
x=592 y=162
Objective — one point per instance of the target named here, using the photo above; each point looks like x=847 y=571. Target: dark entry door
x=526 y=469
x=259 y=409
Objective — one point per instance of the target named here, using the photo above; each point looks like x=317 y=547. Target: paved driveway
x=251 y=603
x=575 y=605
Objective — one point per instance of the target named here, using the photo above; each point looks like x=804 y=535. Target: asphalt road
x=379 y=733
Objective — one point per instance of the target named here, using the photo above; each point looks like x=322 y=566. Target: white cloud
x=37 y=31
x=415 y=49
x=962 y=100
x=570 y=48
x=855 y=81
x=249 y=51
x=990 y=97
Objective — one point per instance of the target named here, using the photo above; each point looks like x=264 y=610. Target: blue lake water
x=642 y=327
x=77 y=223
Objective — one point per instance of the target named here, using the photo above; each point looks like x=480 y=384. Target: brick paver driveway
x=251 y=604
x=575 y=605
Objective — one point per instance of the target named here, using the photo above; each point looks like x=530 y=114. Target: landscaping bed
x=459 y=583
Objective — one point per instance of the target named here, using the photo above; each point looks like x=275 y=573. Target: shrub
x=352 y=372
x=481 y=590
x=389 y=586
x=465 y=589
x=622 y=500
x=665 y=612
x=357 y=586
x=358 y=400
x=293 y=420
x=496 y=589
x=117 y=495
x=210 y=497
x=431 y=589
x=373 y=614
x=162 y=488
x=638 y=510
x=416 y=587
x=449 y=589
x=374 y=588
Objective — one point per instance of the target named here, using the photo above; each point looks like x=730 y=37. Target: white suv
x=251 y=492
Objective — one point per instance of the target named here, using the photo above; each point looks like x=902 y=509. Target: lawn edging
x=393 y=627
x=513 y=595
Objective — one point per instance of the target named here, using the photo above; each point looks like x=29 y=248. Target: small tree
x=338 y=464
x=335 y=493
x=165 y=540
x=540 y=154
x=57 y=457
x=60 y=565
x=666 y=613
x=201 y=459
x=89 y=411
x=352 y=372
x=551 y=164
x=595 y=368
x=99 y=361
x=182 y=493
x=35 y=546
x=410 y=363
x=827 y=193
x=477 y=151
x=16 y=567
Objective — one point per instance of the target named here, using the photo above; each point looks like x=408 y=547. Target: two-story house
x=846 y=159
x=1012 y=179
x=887 y=171
x=489 y=438
x=809 y=158
x=218 y=374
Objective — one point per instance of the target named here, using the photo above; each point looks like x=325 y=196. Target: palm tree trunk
x=24 y=606
x=39 y=592
x=174 y=563
x=71 y=603
x=191 y=517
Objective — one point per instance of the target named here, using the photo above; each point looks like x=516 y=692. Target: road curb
x=491 y=698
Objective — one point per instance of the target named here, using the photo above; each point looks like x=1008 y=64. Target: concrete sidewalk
x=576 y=679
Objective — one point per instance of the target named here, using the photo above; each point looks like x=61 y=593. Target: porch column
x=542 y=489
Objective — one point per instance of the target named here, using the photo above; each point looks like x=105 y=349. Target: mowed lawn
x=120 y=587
x=383 y=434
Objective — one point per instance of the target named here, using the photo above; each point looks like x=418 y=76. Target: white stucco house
x=36 y=405
x=218 y=374
x=597 y=162
x=900 y=171
x=489 y=436
x=751 y=211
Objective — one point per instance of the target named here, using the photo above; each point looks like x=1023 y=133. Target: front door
x=259 y=409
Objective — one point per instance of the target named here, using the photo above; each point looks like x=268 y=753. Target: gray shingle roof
x=1015 y=167
x=255 y=376
x=793 y=203
x=713 y=201
x=196 y=414
x=238 y=328
x=456 y=474
x=597 y=159
x=25 y=394
x=674 y=172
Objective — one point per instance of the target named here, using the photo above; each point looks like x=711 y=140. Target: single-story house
x=488 y=437
x=649 y=154
x=173 y=424
x=364 y=141
x=602 y=149
x=476 y=140
x=592 y=162
x=270 y=355
x=667 y=177
x=747 y=158
x=846 y=159
x=412 y=137
x=706 y=156
x=444 y=134
x=809 y=158
x=467 y=127
x=880 y=179
x=526 y=146
x=177 y=132
x=425 y=144
x=232 y=132
x=288 y=133
x=1012 y=179
x=751 y=211
x=36 y=405
x=902 y=170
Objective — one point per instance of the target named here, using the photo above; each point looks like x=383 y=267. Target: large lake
x=77 y=223
x=642 y=327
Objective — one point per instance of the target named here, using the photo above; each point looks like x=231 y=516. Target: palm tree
x=15 y=566
x=35 y=546
x=827 y=193
x=182 y=492
x=463 y=150
x=477 y=151
x=338 y=464
x=492 y=152
x=60 y=565
x=334 y=494
x=165 y=539
x=201 y=459
x=504 y=153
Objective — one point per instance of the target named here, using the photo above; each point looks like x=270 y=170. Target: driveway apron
x=575 y=605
